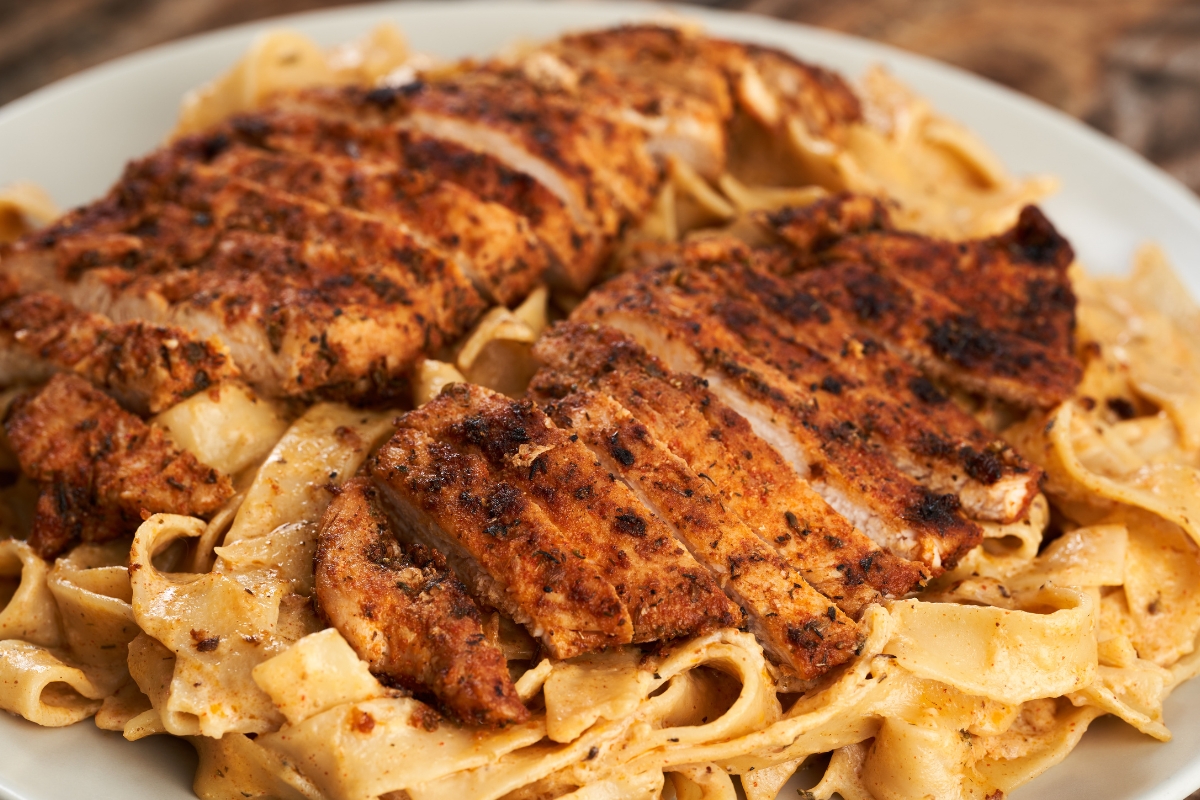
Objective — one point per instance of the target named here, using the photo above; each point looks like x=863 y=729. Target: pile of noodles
x=988 y=678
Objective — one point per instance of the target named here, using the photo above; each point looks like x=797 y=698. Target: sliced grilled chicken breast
x=571 y=244
x=597 y=166
x=148 y=368
x=99 y=467
x=405 y=613
x=311 y=300
x=857 y=481
x=489 y=243
x=501 y=545
x=802 y=630
x=667 y=592
x=1014 y=341
x=866 y=385
x=753 y=481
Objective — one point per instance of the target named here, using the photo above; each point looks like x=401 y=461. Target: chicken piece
x=798 y=627
x=405 y=613
x=312 y=301
x=488 y=242
x=883 y=400
x=99 y=467
x=502 y=546
x=865 y=385
x=148 y=368
x=575 y=253
x=753 y=481
x=597 y=166
x=776 y=89
x=769 y=84
x=667 y=593
x=568 y=242
x=674 y=57
x=1014 y=341
x=860 y=483
x=677 y=121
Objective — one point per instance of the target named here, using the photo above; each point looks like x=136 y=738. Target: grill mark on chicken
x=312 y=301
x=597 y=166
x=1014 y=341
x=677 y=122
x=718 y=444
x=722 y=73
x=801 y=629
x=98 y=466
x=502 y=546
x=575 y=250
x=148 y=368
x=667 y=593
x=572 y=245
x=405 y=613
x=488 y=242
x=866 y=386
x=861 y=484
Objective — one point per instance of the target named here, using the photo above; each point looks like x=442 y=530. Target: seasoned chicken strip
x=570 y=244
x=678 y=123
x=597 y=166
x=489 y=243
x=310 y=300
x=667 y=593
x=858 y=380
x=662 y=55
x=799 y=628
x=855 y=382
x=752 y=479
x=576 y=253
x=766 y=83
x=98 y=467
x=405 y=613
x=864 y=486
x=148 y=368
x=501 y=545
x=1014 y=341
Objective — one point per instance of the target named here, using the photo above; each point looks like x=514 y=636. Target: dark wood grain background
x=1129 y=67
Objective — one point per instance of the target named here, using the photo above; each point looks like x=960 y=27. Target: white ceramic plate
x=73 y=138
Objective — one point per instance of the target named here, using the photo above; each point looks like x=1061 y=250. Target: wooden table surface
x=1129 y=67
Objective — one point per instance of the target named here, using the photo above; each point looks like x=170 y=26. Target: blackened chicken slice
x=803 y=631
x=674 y=57
x=768 y=84
x=866 y=385
x=571 y=244
x=148 y=368
x=1013 y=340
x=667 y=592
x=859 y=482
x=502 y=546
x=753 y=481
x=597 y=166
x=488 y=242
x=98 y=467
x=405 y=614
x=312 y=301
x=678 y=122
